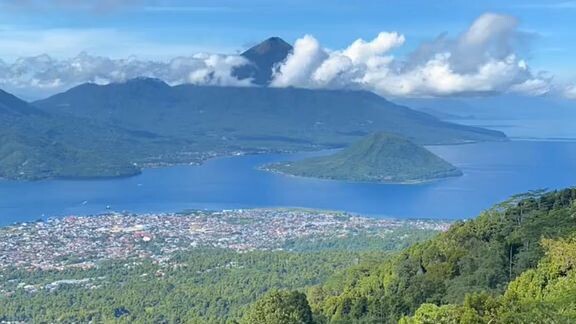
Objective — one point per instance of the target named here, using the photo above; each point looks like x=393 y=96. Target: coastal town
x=81 y=242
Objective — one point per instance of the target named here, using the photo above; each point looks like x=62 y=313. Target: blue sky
x=228 y=25
x=164 y=29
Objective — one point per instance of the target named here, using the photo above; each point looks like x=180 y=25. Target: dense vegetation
x=280 y=307
x=195 y=287
x=465 y=274
x=199 y=286
x=542 y=295
x=379 y=157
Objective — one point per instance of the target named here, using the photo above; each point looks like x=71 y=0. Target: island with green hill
x=380 y=157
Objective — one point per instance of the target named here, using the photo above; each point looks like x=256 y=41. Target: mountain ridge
x=321 y=117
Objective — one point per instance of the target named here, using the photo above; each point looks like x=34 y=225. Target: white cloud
x=570 y=92
x=213 y=69
x=361 y=51
x=305 y=59
x=41 y=75
x=481 y=60
x=533 y=87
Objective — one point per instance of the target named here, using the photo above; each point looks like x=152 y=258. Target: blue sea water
x=492 y=172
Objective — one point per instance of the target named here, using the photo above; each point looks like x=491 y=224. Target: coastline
x=144 y=166
x=266 y=168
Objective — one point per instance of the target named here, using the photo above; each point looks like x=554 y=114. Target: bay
x=492 y=172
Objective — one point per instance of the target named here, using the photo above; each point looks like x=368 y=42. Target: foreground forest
x=515 y=263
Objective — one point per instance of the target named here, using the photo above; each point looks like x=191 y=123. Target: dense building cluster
x=81 y=242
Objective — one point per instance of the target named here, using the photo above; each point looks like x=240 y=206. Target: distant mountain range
x=256 y=117
x=116 y=129
x=379 y=157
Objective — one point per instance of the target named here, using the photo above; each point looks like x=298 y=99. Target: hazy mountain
x=255 y=118
x=378 y=157
x=263 y=57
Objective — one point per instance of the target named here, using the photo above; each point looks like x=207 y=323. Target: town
x=82 y=242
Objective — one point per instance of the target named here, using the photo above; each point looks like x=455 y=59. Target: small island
x=380 y=158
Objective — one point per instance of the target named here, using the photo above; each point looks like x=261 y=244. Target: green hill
x=379 y=157
x=31 y=146
x=35 y=144
x=471 y=263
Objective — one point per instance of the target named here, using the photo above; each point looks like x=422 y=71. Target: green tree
x=279 y=307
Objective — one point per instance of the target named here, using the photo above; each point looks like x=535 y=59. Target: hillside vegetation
x=513 y=264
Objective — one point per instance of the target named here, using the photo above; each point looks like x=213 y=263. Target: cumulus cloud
x=483 y=59
x=304 y=60
x=39 y=75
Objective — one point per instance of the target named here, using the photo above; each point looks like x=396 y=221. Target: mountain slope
x=379 y=157
x=36 y=145
x=478 y=256
x=541 y=295
x=255 y=118
x=263 y=57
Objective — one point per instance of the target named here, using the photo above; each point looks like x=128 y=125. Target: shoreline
x=266 y=168
x=188 y=212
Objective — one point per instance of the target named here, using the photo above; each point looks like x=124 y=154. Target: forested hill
x=378 y=157
x=529 y=240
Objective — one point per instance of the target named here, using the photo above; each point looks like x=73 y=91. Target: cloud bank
x=484 y=59
x=43 y=75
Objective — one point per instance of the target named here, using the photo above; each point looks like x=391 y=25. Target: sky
x=540 y=35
